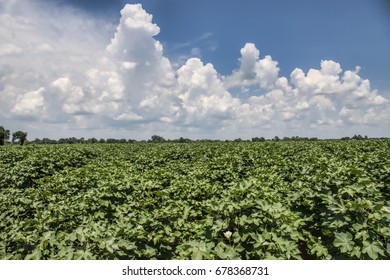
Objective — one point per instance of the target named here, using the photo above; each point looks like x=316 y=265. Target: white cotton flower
x=227 y=234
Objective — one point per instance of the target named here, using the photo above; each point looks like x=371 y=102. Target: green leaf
x=47 y=235
x=219 y=249
x=385 y=209
x=373 y=249
x=197 y=255
x=149 y=251
x=78 y=255
x=356 y=252
x=226 y=252
x=344 y=242
x=35 y=255
x=362 y=235
x=319 y=250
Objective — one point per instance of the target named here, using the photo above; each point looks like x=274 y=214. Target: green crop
x=241 y=200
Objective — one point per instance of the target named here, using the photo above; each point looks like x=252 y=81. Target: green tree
x=92 y=140
x=19 y=135
x=4 y=135
x=257 y=139
x=157 y=139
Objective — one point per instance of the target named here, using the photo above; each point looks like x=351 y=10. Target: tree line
x=20 y=137
x=17 y=137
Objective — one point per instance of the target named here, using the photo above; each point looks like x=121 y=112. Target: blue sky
x=295 y=33
x=198 y=69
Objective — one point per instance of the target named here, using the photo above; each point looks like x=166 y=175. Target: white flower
x=227 y=234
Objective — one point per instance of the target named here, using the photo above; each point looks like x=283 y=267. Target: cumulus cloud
x=203 y=96
x=58 y=68
x=30 y=103
x=253 y=70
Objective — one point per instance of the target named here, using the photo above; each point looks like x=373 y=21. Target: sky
x=215 y=69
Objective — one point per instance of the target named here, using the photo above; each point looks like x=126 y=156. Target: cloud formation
x=253 y=71
x=59 y=68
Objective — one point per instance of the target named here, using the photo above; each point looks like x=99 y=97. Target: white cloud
x=203 y=96
x=323 y=81
x=63 y=84
x=59 y=67
x=253 y=70
x=128 y=117
x=30 y=104
x=9 y=49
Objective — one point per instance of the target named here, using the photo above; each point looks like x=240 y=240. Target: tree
x=111 y=140
x=19 y=135
x=182 y=140
x=46 y=141
x=357 y=137
x=4 y=135
x=157 y=139
x=257 y=139
x=92 y=140
x=37 y=141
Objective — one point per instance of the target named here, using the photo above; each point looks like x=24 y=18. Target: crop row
x=268 y=200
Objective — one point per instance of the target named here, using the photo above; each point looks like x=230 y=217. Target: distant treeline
x=20 y=137
x=160 y=139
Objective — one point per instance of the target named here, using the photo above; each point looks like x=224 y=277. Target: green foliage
x=4 y=135
x=157 y=139
x=19 y=136
x=234 y=200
